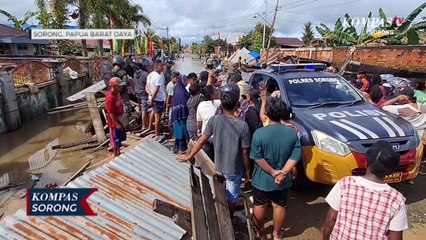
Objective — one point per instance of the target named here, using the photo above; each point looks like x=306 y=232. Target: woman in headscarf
x=377 y=91
x=179 y=114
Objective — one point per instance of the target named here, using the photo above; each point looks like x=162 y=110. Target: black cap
x=382 y=159
x=408 y=91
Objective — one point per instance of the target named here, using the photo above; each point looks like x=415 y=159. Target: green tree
x=208 y=44
x=254 y=39
x=308 y=35
x=388 y=33
x=18 y=23
x=407 y=33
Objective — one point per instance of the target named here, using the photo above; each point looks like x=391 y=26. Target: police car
x=337 y=124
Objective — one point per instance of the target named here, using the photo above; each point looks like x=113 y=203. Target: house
x=285 y=42
x=17 y=42
x=92 y=46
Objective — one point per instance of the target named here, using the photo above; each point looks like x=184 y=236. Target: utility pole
x=272 y=30
x=264 y=24
x=168 y=42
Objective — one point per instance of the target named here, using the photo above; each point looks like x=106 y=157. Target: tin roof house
x=17 y=42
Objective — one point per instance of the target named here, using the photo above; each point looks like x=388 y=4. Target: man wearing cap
x=119 y=71
x=411 y=111
x=365 y=207
x=141 y=76
x=116 y=118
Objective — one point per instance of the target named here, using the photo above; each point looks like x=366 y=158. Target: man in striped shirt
x=366 y=207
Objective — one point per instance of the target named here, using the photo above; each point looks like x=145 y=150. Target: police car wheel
x=300 y=182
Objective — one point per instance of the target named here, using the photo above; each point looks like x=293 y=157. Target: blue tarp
x=255 y=54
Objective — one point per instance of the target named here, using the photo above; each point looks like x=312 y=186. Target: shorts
x=159 y=107
x=144 y=103
x=279 y=197
x=116 y=136
x=233 y=187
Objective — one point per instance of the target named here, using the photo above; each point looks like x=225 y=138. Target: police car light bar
x=285 y=67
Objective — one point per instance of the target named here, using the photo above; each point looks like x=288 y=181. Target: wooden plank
x=249 y=220
x=73 y=105
x=96 y=117
x=100 y=145
x=67 y=110
x=78 y=173
x=198 y=218
x=222 y=210
x=73 y=144
x=211 y=216
x=180 y=216
x=206 y=164
x=183 y=221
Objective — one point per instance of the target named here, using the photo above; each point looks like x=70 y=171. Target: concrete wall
x=410 y=58
x=3 y=127
x=33 y=105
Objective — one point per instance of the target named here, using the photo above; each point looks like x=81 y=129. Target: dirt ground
x=307 y=210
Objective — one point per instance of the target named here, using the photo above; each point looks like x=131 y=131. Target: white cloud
x=192 y=19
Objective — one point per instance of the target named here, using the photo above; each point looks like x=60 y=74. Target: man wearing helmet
x=231 y=143
x=118 y=65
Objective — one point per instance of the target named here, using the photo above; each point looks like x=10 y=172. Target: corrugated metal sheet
x=127 y=186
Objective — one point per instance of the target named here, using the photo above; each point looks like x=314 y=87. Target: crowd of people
x=253 y=144
x=405 y=98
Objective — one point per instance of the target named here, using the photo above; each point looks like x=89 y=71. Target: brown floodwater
x=27 y=151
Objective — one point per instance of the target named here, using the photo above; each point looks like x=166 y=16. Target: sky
x=190 y=20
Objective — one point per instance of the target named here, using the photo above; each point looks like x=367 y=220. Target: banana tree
x=407 y=29
x=19 y=23
x=342 y=35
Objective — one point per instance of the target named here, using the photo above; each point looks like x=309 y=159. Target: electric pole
x=272 y=30
x=168 y=42
x=264 y=24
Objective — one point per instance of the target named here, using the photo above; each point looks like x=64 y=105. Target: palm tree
x=115 y=14
x=308 y=34
x=19 y=23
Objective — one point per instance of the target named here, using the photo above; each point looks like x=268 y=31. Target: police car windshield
x=320 y=91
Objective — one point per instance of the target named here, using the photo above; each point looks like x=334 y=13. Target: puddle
x=28 y=151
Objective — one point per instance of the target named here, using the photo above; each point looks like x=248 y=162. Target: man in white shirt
x=157 y=93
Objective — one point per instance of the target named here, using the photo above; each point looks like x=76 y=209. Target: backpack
x=259 y=121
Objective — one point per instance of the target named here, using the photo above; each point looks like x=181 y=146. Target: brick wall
x=410 y=58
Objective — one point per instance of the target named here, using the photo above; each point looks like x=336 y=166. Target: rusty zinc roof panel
x=127 y=187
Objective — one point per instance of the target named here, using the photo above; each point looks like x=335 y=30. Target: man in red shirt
x=114 y=106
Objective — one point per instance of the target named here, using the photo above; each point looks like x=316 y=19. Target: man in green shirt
x=275 y=150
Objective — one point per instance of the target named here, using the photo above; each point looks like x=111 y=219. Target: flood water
x=190 y=63
x=28 y=150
